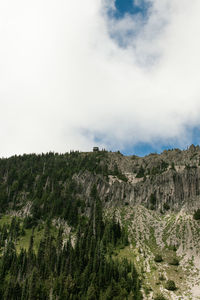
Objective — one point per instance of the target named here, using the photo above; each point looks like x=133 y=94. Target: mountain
x=100 y=225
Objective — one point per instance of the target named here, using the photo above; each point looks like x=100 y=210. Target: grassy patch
x=5 y=219
x=23 y=241
x=126 y=252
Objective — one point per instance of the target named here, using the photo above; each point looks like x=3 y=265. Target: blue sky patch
x=142 y=149
x=192 y=136
x=138 y=10
x=130 y=7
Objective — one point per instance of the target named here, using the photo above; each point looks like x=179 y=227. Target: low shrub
x=161 y=277
x=166 y=206
x=159 y=297
x=158 y=258
x=196 y=214
x=174 y=262
x=170 y=285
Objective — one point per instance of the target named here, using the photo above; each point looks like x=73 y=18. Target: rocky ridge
x=156 y=201
x=164 y=182
x=153 y=197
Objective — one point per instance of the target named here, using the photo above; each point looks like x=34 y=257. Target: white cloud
x=64 y=81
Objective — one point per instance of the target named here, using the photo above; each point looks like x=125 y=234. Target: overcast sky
x=74 y=74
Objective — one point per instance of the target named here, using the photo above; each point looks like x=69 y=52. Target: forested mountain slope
x=100 y=225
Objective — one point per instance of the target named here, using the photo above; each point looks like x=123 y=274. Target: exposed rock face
x=169 y=181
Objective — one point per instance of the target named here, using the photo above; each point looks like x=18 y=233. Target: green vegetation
x=161 y=277
x=162 y=167
x=140 y=173
x=158 y=258
x=172 y=167
x=166 y=206
x=160 y=297
x=118 y=173
x=188 y=167
x=174 y=261
x=5 y=219
x=56 y=243
x=170 y=285
x=196 y=214
x=47 y=182
x=152 y=201
x=159 y=168
x=39 y=263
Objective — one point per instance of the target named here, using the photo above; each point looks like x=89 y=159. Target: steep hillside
x=153 y=198
x=162 y=182
x=165 y=182
x=163 y=247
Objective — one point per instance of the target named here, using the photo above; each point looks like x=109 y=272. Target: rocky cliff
x=164 y=182
x=153 y=197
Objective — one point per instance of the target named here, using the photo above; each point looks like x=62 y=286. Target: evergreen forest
x=43 y=258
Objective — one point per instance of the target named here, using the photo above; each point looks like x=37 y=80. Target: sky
x=121 y=75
